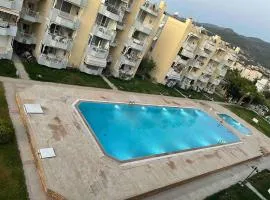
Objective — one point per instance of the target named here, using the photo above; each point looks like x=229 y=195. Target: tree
x=145 y=68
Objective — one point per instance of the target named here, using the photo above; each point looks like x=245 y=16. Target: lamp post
x=254 y=169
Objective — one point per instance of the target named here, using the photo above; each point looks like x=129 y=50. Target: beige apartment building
x=190 y=57
x=9 y=16
x=89 y=34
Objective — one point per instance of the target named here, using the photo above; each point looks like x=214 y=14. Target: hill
x=254 y=50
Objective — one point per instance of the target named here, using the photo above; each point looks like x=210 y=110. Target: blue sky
x=246 y=17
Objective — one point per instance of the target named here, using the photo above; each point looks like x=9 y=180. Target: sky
x=246 y=17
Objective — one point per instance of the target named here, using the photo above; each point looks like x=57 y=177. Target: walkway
x=19 y=66
x=204 y=187
x=255 y=191
x=30 y=172
x=109 y=83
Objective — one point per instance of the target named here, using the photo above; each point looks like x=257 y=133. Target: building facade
x=190 y=57
x=9 y=16
x=89 y=35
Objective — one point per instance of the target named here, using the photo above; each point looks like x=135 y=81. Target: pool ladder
x=131 y=103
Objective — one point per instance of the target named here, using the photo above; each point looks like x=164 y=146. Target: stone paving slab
x=80 y=170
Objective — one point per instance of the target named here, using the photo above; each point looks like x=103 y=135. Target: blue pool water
x=127 y=132
x=238 y=126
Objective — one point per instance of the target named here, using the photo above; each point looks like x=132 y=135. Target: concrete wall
x=168 y=45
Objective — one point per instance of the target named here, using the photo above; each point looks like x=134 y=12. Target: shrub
x=6 y=132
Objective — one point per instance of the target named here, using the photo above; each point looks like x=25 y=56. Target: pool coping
x=153 y=157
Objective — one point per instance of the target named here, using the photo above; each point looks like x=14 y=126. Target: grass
x=7 y=68
x=71 y=77
x=260 y=181
x=12 y=182
x=248 y=115
x=144 y=86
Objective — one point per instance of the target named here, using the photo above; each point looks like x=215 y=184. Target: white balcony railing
x=136 y=44
x=150 y=8
x=204 y=79
x=111 y=12
x=80 y=3
x=129 y=60
x=104 y=32
x=210 y=45
x=52 y=61
x=12 y=4
x=30 y=15
x=57 y=41
x=7 y=28
x=26 y=38
x=173 y=75
x=187 y=53
x=96 y=56
x=143 y=27
x=215 y=81
x=64 y=19
x=179 y=60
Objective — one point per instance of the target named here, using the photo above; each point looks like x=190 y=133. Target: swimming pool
x=237 y=125
x=127 y=132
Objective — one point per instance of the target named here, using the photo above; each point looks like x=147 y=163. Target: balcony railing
x=150 y=8
x=7 y=28
x=6 y=53
x=26 y=38
x=52 y=61
x=198 y=64
x=110 y=11
x=210 y=45
x=173 y=75
x=64 y=19
x=80 y=3
x=191 y=76
x=187 y=53
x=96 y=56
x=204 y=79
x=189 y=46
x=223 y=71
x=13 y=4
x=104 y=32
x=30 y=15
x=129 y=60
x=179 y=60
x=215 y=81
x=136 y=44
x=143 y=27
x=58 y=41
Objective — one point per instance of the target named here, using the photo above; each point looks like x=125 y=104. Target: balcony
x=79 y=3
x=136 y=44
x=6 y=53
x=129 y=60
x=150 y=8
x=187 y=53
x=198 y=64
x=57 y=41
x=25 y=38
x=94 y=70
x=104 y=32
x=179 y=60
x=223 y=72
x=113 y=44
x=210 y=45
x=13 y=4
x=215 y=81
x=30 y=15
x=52 y=61
x=204 y=78
x=120 y=26
x=96 y=56
x=173 y=75
x=191 y=76
x=110 y=11
x=143 y=27
x=126 y=74
x=209 y=70
x=7 y=28
x=64 y=19
x=189 y=46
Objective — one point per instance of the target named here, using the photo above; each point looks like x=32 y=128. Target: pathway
x=19 y=66
x=30 y=172
x=255 y=191
x=203 y=187
x=109 y=83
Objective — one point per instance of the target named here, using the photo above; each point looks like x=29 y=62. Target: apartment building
x=190 y=57
x=9 y=16
x=134 y=38
x=88 y=34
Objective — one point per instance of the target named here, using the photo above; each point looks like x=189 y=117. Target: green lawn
x=248 y=115
x=144 y=86
x=260 y=181
x=7 y=68
x=12 y=182
x=71 y=77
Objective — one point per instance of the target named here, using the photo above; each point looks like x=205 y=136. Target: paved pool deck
x=80 y=169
